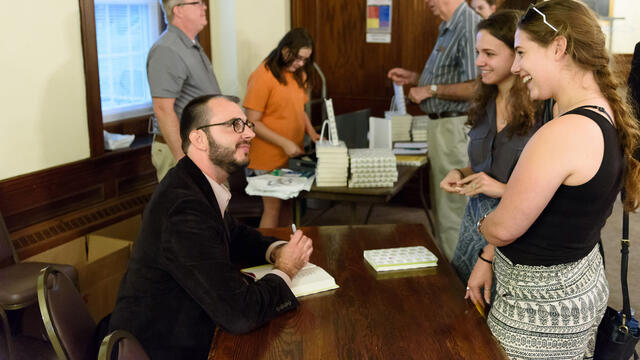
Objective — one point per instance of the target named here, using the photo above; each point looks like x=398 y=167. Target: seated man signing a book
x=182 y=280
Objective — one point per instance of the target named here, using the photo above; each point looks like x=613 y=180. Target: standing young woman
x=502 y=120
x=276 y=94
x=551 y=290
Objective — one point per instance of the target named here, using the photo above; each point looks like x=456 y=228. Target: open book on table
x=310 y=280
x=402 y=258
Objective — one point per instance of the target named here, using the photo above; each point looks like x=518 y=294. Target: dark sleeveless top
x=569 y=226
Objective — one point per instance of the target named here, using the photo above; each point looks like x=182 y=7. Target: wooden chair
x=121 y=345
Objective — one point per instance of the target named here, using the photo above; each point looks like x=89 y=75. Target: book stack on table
x=400 y=126
x=333 y=164
x=372 y=168
x=419 y=128
x=411 y=153
x=402 y=258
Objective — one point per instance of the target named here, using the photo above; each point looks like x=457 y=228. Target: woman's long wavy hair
x=521 y=111
x=276 y=61
x=586 y=46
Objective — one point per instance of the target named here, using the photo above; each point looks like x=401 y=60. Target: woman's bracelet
x=483 y=259
x=460 y=171
x=479 y=223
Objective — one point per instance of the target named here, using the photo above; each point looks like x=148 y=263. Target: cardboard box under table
x=127 y=229
x=101 y=262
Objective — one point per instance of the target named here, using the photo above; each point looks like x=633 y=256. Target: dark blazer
x=181 y=281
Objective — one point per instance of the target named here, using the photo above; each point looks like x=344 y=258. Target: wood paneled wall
x=356 y=71
x=48 y=207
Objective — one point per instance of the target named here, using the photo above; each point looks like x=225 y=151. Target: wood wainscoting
x=49 y=207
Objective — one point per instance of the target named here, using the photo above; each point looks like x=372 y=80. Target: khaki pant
x=162 y=159
x=447 y=139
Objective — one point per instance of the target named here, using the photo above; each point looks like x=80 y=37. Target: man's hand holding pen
x=293 y=256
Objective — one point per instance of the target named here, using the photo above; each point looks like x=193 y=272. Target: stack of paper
x=372 y=168
x=400 y=126
x=333 y=164
x=402 y=258
x=410 y=148
x=419 y=128
x=310 y=280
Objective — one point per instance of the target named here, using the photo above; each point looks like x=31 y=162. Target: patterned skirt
x=548 y=312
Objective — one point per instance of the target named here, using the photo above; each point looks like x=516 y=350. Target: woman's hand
x=292 y=149
x=480 y=283
x=450 y=182
x=481 y=183
x=313 y=135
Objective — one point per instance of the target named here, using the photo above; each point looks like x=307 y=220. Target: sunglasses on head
x=531 y=10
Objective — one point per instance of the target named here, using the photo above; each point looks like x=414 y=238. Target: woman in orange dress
x=276 y=94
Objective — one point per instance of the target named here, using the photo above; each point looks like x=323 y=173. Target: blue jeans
x=470 y=241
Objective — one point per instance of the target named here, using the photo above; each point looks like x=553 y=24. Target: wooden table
x=369 y=196
x=415 y=314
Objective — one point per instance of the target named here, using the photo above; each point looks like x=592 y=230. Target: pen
x=293 y=227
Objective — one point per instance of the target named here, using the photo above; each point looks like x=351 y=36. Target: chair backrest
x=353 y=128
x=68 y=323
x=121 y=345
x=7 y=253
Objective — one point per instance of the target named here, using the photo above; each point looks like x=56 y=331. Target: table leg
x=354 y=211
x=366 y=219
x=296 y=211
x=425 y=205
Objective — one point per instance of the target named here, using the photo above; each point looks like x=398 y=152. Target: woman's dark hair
x=515 y=5
x=277 y=61
x=586 y=45
x=521 y=110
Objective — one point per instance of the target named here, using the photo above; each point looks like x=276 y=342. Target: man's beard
x=223 y=157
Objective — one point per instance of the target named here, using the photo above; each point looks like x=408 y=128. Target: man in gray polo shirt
x=178 y=71
x=446 y=85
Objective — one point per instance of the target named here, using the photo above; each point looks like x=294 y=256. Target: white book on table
x=401 y=258
x=310 y=280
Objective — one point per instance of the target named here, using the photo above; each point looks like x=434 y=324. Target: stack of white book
x=333 y=164
x=402 y=258
x=310 y=280
x=400 y=126
x=372 y=168
x=419 y=128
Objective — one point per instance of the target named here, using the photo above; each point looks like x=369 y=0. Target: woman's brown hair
x=586 y=46
x=521 y=112
x=277 y=61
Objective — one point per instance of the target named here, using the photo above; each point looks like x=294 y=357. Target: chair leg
x=7 y=332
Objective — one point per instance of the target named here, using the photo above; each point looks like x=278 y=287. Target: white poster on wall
x=379 y=21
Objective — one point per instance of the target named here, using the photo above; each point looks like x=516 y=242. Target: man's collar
x=222 y=194
x=183 y=37
x=454 y=17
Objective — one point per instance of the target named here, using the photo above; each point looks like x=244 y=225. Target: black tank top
x=569 y=226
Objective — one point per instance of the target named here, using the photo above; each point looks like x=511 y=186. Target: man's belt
x=446 y=114
x=159 y=139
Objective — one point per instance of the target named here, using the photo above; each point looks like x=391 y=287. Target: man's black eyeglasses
x=199 y=3
x=531 y=9
x=237 y=123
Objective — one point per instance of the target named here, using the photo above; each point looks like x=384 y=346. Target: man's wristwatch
x=434 y=90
